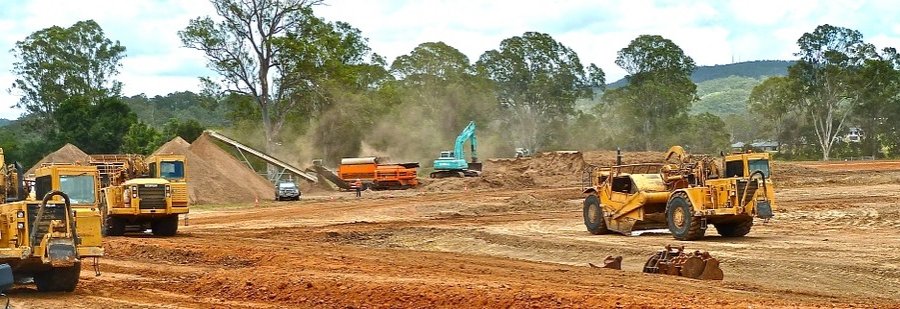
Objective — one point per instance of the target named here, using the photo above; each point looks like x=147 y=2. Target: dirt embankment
x=68 y=154
x=544 y=170
x=216 y=177
x=548 y=169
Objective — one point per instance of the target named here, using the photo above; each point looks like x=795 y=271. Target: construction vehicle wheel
x=58 y=279
x=593 y=216
x=682 y=223
x=167 y=226
x=114 y=226
x=735 y=229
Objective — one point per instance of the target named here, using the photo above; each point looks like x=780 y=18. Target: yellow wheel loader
x=48 y=239
x=685 y=194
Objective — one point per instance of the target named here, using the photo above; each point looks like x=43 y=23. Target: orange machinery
x=391 y=176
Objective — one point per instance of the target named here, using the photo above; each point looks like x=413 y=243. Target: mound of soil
x=68 y=154
x=608 y=157
x=548 y=169
x=216 y=177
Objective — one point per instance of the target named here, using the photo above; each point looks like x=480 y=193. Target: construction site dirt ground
x=830 y=245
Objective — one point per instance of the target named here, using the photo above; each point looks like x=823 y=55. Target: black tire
x=115 y=226
x=679 y=216
x=58 y=279
x=593 y=216
x=167 y=226
x=735 y=229
x=104 y=215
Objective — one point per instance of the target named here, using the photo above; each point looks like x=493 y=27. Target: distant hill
x=752 y=69
x=4 y=122
x=724 y=96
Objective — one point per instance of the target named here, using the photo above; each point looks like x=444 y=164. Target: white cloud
x=712 y=32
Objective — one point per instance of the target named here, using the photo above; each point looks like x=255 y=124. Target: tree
x=773 y=101
x=707 y=134
x=55 y=64
x=141 y=139
x=95 y=128
x=659 y=93
x=879 y=86
x=829 y=59
x=436 y=88
x=189 y=129
x=537 y=81
x=242 y=48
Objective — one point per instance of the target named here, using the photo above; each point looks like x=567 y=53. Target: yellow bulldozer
x=141 y=192
x=685 y=194
x=48 y=239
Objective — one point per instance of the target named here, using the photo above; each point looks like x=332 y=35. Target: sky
x=711 y=32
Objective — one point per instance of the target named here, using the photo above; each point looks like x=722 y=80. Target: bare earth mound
x=548 y=169
x=608 y=157
x=216 y=177
x=67 y=154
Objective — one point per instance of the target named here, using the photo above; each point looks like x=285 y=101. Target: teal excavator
x=453 y=163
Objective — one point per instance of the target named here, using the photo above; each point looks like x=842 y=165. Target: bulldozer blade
x=712 y=271
x=693 y=267
x=610 y=262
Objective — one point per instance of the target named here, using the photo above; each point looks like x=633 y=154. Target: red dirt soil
x=831 y=245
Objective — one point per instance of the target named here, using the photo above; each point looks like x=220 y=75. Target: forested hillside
x=753 y=69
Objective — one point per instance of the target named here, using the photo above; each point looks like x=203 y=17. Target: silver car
x=286 y=191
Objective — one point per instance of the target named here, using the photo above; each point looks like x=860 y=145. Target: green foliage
x=654 y=105
x=141 y=139
x=437 y=89
x=55 y=64
x=829 y=59
x=189 y=130
x=724 y=96
x=245 y=48
x=879 y=104
x=537 y=82
x=95 y=128
x=180 y=105
x=707 y=134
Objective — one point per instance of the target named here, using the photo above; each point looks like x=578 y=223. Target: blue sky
x=712 y=32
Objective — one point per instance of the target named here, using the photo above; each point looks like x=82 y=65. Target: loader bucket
x=673 y=261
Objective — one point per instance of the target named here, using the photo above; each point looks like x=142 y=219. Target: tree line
x=840 y=81
x=302 y=87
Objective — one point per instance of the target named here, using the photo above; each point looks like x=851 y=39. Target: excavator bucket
x=610 y=262
x=674 y=261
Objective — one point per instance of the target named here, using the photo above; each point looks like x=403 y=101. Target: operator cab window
x=622 y=184
x=42 y=185
x=759 y=165
x=734 y=169
x=171 y=170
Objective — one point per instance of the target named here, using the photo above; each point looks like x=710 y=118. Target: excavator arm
x=468 y=133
